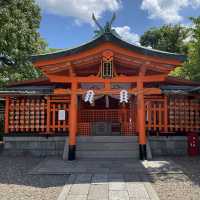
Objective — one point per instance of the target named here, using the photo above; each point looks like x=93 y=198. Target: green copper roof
x=109 y=37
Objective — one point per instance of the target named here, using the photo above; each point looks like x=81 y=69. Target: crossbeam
x=96 y=79
x=134 y=91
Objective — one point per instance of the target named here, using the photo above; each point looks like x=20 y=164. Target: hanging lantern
x=89 y=97
x=123 y=96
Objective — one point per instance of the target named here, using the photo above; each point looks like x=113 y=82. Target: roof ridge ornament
x=104 y=29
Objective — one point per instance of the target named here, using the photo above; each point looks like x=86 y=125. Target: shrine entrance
x=101 y=129
x=107 y=117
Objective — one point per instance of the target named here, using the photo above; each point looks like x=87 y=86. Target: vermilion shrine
x=106 y=87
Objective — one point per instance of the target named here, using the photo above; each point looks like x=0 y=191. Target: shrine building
x=106 y=90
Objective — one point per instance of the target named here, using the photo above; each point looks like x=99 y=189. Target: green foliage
x=191 y=68
x=166 y=38
x=19 y=38
x=178 y=39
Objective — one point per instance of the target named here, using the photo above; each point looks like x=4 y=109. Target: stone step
x=121 y=139
x=108 y=154
x=107 y=146
x=110 y=147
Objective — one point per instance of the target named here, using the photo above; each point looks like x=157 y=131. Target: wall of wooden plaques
x=173 y=114
x=38 y=115
x=27 y=114
x=184 y=114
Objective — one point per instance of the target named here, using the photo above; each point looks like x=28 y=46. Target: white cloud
x=126 y=34
x=81 y=10
x=167 y=10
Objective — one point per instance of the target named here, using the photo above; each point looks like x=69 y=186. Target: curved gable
x=109 y=37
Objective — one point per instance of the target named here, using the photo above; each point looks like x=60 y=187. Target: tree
x=166 y=38
x=178 y=39
x=191 y=68
x=19 y=38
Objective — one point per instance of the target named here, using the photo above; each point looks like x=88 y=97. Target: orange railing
x=36 y=115
x=173 y=114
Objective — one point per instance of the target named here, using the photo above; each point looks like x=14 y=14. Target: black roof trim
x=28 y=90
x=179 y=89
x=109 y=37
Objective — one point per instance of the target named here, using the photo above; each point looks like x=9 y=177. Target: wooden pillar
x=6 y=116
x=141 y=120
x=73 y=122
x=48 y=115
x=165 y=114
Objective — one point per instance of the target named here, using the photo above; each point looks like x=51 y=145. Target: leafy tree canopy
x=19 y=38
x=178 y=39
x=191 y=68
x=169 y=38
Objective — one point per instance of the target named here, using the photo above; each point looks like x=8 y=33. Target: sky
x=68 y=23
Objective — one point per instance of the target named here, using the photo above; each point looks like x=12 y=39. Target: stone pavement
x=98 y=179
x=54 y=165
x=107 y=187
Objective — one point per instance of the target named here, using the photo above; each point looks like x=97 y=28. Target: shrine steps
x=107 y=147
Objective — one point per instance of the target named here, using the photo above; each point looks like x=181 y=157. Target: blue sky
x=67 y=23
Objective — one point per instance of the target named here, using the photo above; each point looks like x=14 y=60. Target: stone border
x=36 y=146
x=168 y=145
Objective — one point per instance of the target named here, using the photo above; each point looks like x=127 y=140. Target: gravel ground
x=16 y=184
x=179 y=186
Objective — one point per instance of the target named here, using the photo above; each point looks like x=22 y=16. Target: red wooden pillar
x=165 y=114
x=6 y=116
x=73 y=123
x=141 y=120
x=48 y=115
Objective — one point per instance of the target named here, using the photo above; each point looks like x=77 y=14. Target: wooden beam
x=165 y=114
x=141 y=114
x=143 y=70
x=96 y=79
x=53 y=69
x=71 y=70
x=48 y=115
x=6 y=115
x=73 y=123
x=134 y=91
x=107 y=91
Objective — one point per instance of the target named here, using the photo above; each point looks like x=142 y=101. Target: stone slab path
x=58 y=166
x=107 y=187
x=100 y=179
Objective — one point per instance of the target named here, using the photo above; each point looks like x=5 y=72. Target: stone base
x=90 y=147
x=35 y=146
x=101 y=147
x=168 y=146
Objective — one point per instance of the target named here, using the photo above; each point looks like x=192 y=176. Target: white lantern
x=123 y=96
x=89 y=97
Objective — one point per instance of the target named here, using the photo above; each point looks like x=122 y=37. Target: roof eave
x=109 y=37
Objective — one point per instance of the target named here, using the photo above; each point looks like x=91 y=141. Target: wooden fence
x=40 y=115
x=36 y=115
x=173 y=114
